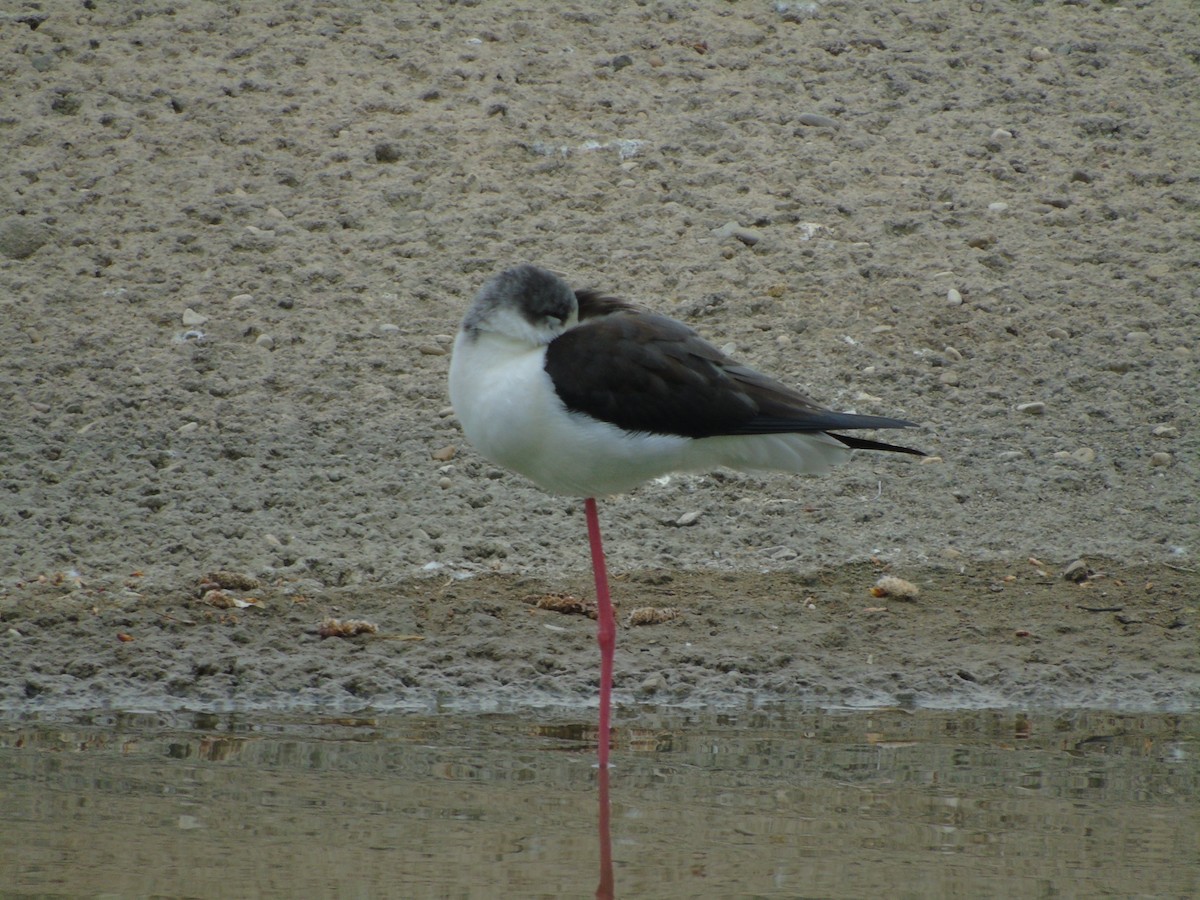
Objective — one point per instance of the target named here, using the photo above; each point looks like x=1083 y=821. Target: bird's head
x=524 y=303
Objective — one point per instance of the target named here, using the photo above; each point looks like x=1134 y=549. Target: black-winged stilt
x=587 y=395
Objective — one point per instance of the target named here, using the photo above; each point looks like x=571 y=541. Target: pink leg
x=606 y=637
x=606 y=627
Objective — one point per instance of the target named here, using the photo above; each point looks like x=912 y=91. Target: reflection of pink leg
x=606 y=637
x=606 y=887
x=606 y=627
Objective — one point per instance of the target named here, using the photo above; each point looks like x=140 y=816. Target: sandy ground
x=235 y=243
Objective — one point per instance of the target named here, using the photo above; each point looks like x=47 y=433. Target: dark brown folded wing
x=648 y=373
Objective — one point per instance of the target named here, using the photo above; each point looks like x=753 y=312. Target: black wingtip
x=857 y=443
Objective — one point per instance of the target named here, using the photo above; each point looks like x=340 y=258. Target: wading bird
x=588 y=395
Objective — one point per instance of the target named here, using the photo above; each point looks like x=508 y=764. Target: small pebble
x=432 y=350
x=1077 y=572
x=652 y=615
x=20 y=238
x=1161 y=459
x=387 y=152
x=242 y=298
x=798 y=12
x=1137 y=337
x=997 y=206
x=188 y=427
x=444 y=482
x=896 y=588
x=949 y=378
x=689 y=518
x=1036 y=408
x=1002 y=135
x=445 y=454
x=265 y=341
x=814 y=120
x=747 y=236
x=1039 y=54
x=952 y=353
x=346 y=628
x=1083 y=455
x=1057 y=334
x=445 y=412
x=953 y=298
x=388 y=328
x=191 y=317
x=809 y=230
x=1165 y=431
x=223 y=600
x=653 y=684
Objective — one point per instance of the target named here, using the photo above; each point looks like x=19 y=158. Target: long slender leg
x=606 y=627
x=606 y=637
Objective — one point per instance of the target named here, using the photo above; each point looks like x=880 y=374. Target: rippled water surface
x=761 y=803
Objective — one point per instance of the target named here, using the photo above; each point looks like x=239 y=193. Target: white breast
x=511 y=414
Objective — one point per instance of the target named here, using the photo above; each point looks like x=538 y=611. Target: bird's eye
x=554 y=321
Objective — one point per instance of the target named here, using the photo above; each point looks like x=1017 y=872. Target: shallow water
x=760 y=803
